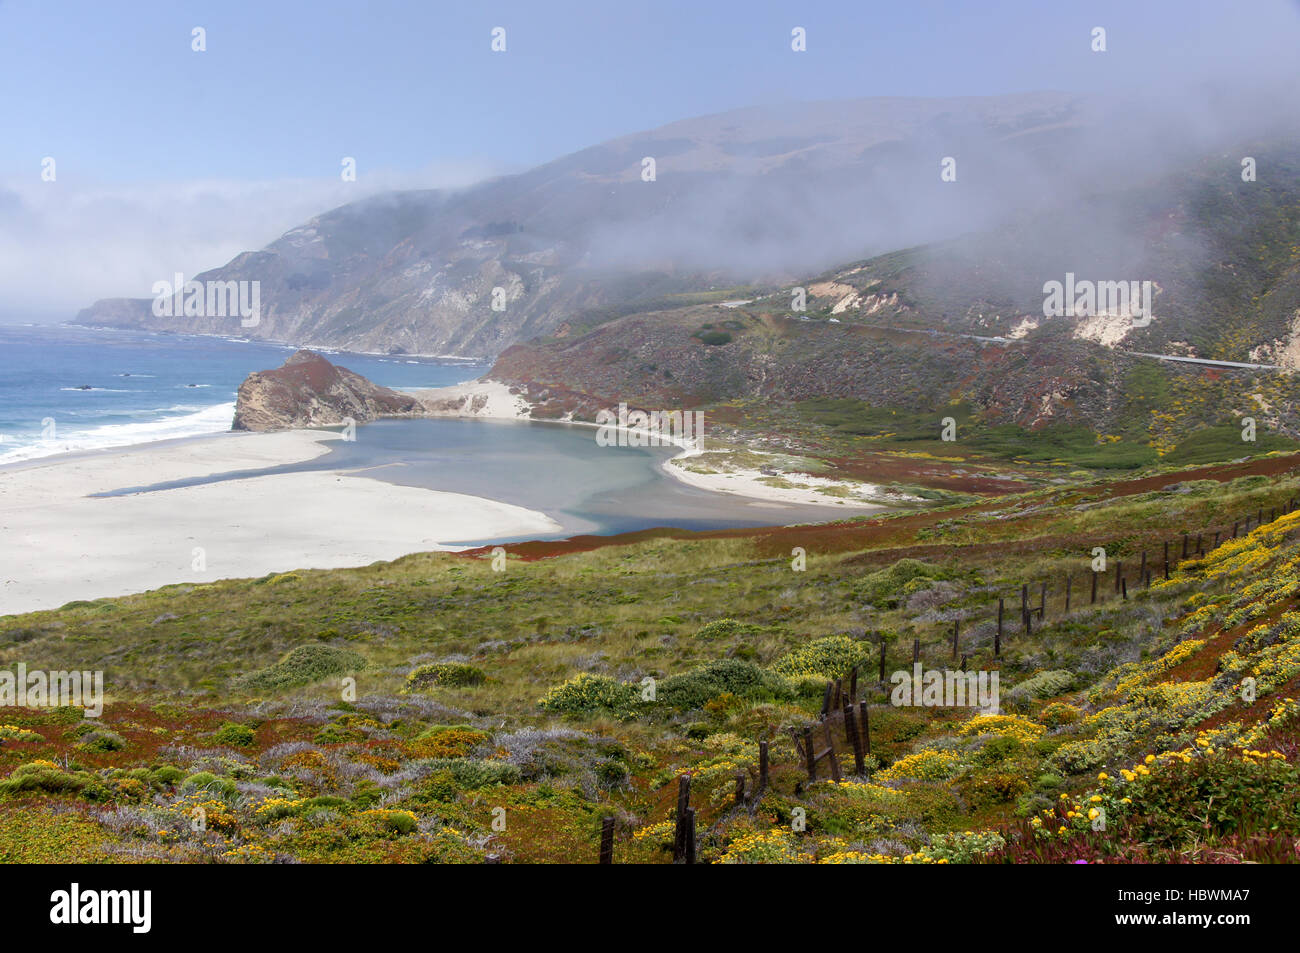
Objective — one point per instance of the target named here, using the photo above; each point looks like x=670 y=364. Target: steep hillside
x=743 y=194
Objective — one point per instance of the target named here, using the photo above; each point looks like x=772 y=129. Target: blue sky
x=165 y=155
x=286 y=88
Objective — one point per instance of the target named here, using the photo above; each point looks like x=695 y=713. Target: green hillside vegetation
x=526 y=690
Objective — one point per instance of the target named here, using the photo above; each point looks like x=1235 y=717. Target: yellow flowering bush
x=1012 y=726
x=924 y=765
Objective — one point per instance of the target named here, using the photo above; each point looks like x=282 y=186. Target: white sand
x=476 y=398
x=61 y=545
x=748 y=482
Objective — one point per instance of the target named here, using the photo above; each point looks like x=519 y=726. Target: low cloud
x=64 y=245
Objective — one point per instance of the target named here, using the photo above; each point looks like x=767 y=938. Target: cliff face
x=309 y=391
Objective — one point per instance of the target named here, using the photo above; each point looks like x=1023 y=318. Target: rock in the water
x=309 y=391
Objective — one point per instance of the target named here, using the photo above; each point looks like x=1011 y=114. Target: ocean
x=103 y=388
x=69 y=388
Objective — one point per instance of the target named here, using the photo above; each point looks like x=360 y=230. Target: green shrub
x=44 y=778
x=166 y=774
x=450 y=674
x=470 y=773
x=101 y=740
x=828 y=658
x=302 y=666
x=586 y=693
x=884 y=587
x=694 y=689
x=234 y=734
x=727 y=629
x=1045 y=684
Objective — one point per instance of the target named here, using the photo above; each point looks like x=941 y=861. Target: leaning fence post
x=831 y=755
x=809 y=755
x=851 y=729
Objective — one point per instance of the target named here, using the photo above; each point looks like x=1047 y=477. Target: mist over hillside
x=761 y=195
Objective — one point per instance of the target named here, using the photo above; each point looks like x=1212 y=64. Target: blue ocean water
x=69 y=388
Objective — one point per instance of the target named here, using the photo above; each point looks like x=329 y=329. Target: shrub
x=302 y=666
x=447 y=741
x=101 y=740
x=586 y=693
x=234 y=734
x=827 y=658
x=450 y=674
x=1044 y=685
x=44 y=777
x=696 y=688
x=22 y=735
x=727 y=629
x=470 y=773
x=1057 y=714
x=884 y=587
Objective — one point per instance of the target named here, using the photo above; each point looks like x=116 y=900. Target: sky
x=167 y=158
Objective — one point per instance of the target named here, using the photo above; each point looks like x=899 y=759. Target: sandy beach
x=62 y=543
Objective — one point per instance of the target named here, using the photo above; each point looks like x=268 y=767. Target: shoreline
x=93 y=547
x=97 y=547
x=497 y=403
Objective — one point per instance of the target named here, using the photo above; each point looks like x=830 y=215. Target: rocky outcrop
x=309 y=391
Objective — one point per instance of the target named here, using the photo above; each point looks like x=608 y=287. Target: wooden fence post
x=851 y=729
x=680 y=839
x=916 y=651
x=1042 y=600
x=954 y=638
x=866 y=727
x=1119 y=571
x=1123 y=588
x=882 y=660
x=1093 y=598
x=997 y=639
x=809 y=755
x=762 y=768
x=607 y=841
x=690 y=835
x=1069 y=584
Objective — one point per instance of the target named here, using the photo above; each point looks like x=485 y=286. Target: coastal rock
x=309 y=391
